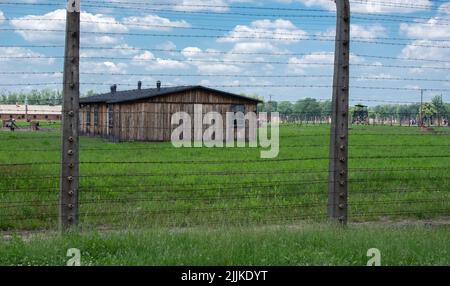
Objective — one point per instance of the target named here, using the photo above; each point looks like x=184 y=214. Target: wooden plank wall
x=150 y=120
x=95 y=128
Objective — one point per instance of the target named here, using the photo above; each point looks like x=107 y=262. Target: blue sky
x=241 y=46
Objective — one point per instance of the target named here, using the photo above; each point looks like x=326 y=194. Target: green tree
x=404 y=113
x=325 y=108
x=36 y=97
x=428 y=111
x=271 y=106
x=285 y=107
x=440 y=105
x=308 y=107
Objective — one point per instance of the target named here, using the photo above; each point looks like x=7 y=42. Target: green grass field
x=266 y=246
x=199 y=206
x=44 y=124
x=395 y=172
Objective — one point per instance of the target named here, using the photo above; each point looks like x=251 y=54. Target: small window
x=88 y=118
x=34 y=116
x=110 y=116
x=96 y=116
x=238 y=108
x=240 y=121
x=46 y=116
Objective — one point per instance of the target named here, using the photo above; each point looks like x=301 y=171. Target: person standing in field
x=12 y=125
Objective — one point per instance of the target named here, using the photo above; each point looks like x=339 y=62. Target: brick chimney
x=158 y=85
x=139 y=85
x=113 y=88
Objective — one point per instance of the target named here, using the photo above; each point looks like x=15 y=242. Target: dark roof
x=140 y=94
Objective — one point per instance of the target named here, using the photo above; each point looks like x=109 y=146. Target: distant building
x=21 y=112
x=145 y=114
x=360 y=114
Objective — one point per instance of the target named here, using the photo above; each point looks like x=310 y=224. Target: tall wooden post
x=421 y=108
x=338 y=169
x=26 y=108
x=68 y=201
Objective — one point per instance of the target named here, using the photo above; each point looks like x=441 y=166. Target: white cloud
x=41 y=22
x=167 y=46
x=327 y=4
x=416 y=71
x=2 y=17
x=426 y=44
x=148 y=60
x=258 y=51
x=313 y=60
x=103 y=40
x=202 y=5
x=445 y=8
x=254 y=47
x=368 y=32
x=190 y=52
x=217 y=68
x=55 y=20
x=23 y=54
x=359 y=31
x=432 y=29
x=396 y=6
x=317 y=60
x=104 y=67
x=412 y=86
x=116 y=51
x=154 y=22
x=278 y=31
x=163 y=64
x=100 y=23
x=204 y=61
x=375 y=76
x=424 y=49
x=145 y=56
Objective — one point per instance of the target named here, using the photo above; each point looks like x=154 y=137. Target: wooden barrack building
x=145 y=114
x=23 y=112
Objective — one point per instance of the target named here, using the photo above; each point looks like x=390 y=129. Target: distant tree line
x=436 y=109
x=314 y=108
x=308 y=107
x=34 y=97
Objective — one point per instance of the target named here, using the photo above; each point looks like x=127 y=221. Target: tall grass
x=224 y=193
x=293 y=246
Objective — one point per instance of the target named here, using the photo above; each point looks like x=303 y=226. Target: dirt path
x=438 y=222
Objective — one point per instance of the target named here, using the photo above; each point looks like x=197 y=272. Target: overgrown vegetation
x=290 y=246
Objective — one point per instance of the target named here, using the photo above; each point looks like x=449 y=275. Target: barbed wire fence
x=393 y=173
